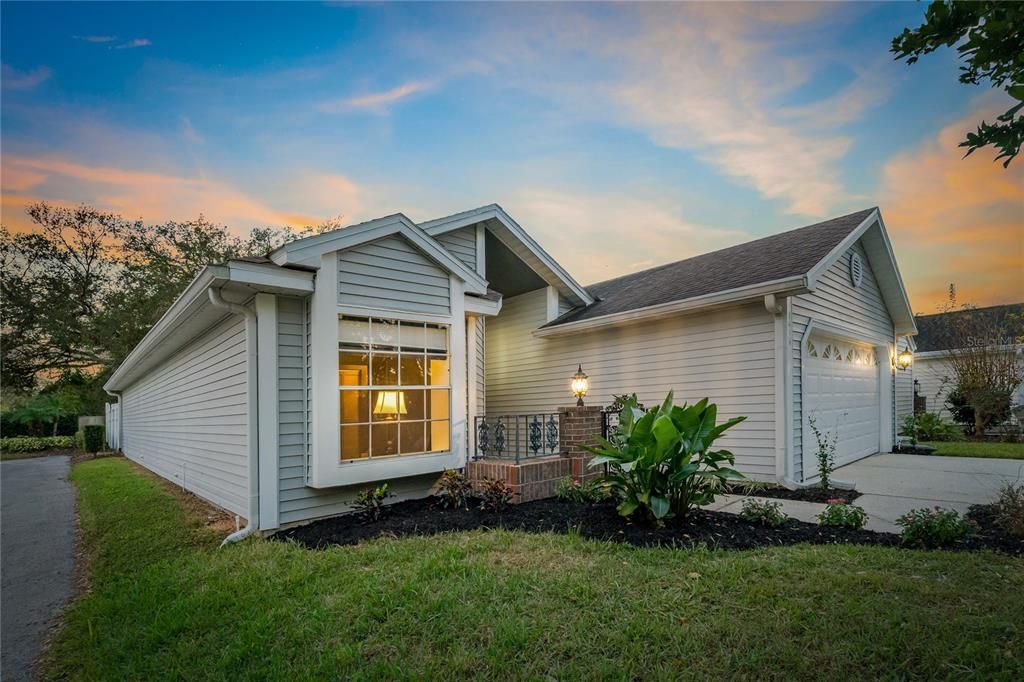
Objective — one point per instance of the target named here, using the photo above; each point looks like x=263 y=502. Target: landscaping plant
x=454 y=490
x=572 y=490
x=92 y=437
x=932 y=528
x=826 y=454
x=369 y=503
x=929 y=427
x=1009 y=509
x=765 y=512
x=841 y=513
x=34 y=444
x=495 y=495
x=661 y=462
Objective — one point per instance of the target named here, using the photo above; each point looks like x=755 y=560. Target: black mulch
x=822 y=495
x=595 y=521
x=990 y=534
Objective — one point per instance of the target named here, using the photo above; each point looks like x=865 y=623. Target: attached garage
x=841 y=393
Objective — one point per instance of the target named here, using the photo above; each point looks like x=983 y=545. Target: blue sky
x=621 y=136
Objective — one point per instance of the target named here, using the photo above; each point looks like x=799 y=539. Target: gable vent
x=856 y=270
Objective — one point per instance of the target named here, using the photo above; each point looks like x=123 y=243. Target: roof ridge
x=734 y=246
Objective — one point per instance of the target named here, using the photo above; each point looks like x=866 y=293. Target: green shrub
x=79 y=440
x=571 y=490
x=963 y=412
x=454 y=490
x=36 y=444
x=495 y=495
x=1009 y=509
x=660 y=462
x=92 y=437
x=928 y=426
x=842 y=514
x=369 y=503
x=933 y=527
x=765 y=512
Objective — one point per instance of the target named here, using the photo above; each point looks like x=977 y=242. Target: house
x=277 y=387
x=932 y=374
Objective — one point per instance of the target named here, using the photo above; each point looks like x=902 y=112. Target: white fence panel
x=113 y=414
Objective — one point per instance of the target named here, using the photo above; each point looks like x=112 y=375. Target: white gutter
x=253 y=520
x=779 y=288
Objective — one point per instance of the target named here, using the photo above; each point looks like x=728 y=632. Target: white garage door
x=841 y=393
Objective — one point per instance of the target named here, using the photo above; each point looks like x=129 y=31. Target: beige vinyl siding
x=726 y=355
x=835 y=302
x=461 y=243
x=392 y=274
x=904 y=388
x=935 y=379
x=297 y=501
x=187 y=420
x=481 y=363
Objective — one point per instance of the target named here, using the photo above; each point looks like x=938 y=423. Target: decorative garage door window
x=837 y=351
x=395 y=387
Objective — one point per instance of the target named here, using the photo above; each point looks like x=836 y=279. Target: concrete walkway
x=37 y=557
x=891 y=485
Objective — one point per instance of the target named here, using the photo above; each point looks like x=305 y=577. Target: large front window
x=395 y=388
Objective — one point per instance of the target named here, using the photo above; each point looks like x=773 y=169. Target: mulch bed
x=990 y=534
x=595 y=521
x=822 y=495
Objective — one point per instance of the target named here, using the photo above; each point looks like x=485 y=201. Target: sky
x=621 y=136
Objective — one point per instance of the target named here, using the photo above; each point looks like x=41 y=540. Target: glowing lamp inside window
x=390 y=403
x=580 y=385
x=904 y=359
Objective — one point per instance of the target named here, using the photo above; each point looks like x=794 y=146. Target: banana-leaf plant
x=660 y=461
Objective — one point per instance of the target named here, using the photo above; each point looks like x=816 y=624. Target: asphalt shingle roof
x=940 y=331
x=779 y=256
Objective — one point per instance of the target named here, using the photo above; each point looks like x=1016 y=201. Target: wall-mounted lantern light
x=904 y=360
x=580 y=385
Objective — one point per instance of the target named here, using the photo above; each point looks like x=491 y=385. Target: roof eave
x=790 y=286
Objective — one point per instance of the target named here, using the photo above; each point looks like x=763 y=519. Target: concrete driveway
x=37 y=557
x=891 y=485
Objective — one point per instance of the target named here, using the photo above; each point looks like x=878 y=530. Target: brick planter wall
x=537 y=479
x=579 y=426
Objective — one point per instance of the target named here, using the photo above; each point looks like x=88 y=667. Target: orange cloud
x=956 y=220
x=378 y=101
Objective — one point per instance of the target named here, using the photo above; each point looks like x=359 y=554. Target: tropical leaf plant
x=661 y=462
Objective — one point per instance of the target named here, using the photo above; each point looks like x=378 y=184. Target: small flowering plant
x=932 y=528
x=764 y=512
x=840 y=513
x=574 y=490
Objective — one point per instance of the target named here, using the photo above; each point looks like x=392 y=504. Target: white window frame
x=324 y=466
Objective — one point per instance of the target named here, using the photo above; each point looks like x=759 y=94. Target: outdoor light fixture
x=390 y=403
x=904 y=359
x=580 y=385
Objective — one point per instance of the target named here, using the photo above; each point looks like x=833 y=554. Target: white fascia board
x=909 y=324
x=839 y=249
x=272 y=276
x=194 y=292
x=307 y=252
x=786 y=287
x=476 y=215
x=482 y=306
x=945 y=353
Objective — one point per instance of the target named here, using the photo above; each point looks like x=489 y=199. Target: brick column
x=579 y=426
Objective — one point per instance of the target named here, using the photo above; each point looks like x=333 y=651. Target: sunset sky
x=619 y=136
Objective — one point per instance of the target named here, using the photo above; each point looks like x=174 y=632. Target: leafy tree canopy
x=990 y=39
x=81 y=289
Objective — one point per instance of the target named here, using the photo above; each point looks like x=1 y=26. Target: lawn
x=166 y=603
x=970 y=448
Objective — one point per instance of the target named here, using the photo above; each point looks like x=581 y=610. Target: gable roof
x=938 y=332
x=307 y=252
x=513 y=236
x=786 y=263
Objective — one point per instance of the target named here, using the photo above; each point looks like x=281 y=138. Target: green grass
x=167 y=604
x=971 y=448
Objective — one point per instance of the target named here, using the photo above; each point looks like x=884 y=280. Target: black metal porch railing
x=515 y=436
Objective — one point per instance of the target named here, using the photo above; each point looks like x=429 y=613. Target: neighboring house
x=933 y=376
x=277 y=387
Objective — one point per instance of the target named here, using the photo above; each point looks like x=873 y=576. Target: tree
x=990 y=39
x=986 y=364
x=83 y=288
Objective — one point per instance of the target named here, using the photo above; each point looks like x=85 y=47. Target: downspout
x=253 y=519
